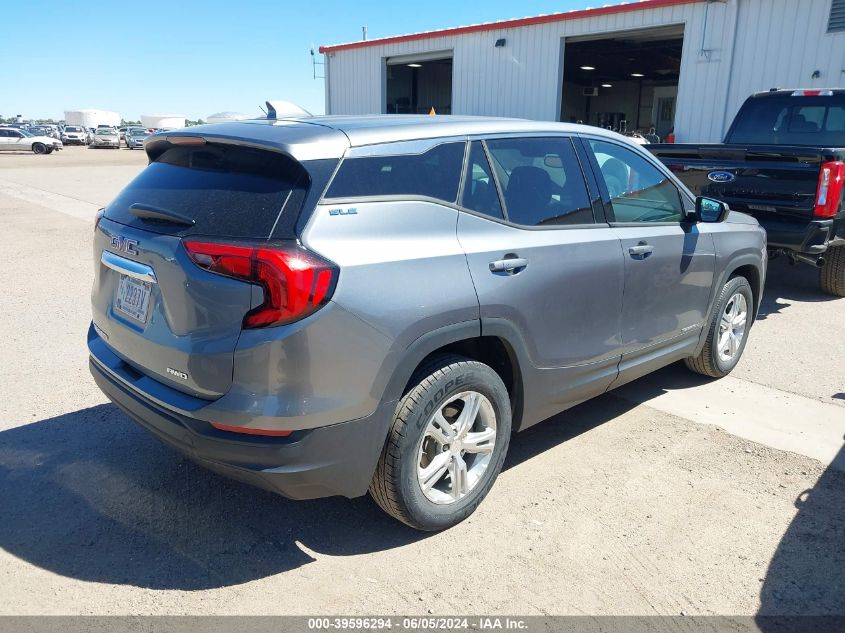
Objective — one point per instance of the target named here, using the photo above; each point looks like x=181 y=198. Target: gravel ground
x=615 y=507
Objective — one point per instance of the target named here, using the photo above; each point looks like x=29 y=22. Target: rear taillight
x=829 y=192
x=296 y=282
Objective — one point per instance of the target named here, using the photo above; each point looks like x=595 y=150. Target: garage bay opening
x=416 y=84
x=624 y=81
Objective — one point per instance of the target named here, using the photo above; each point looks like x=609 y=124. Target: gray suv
x=331 y=305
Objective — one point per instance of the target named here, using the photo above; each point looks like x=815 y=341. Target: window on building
x=541 y=180
x=433 y=174
x=480 y=192
x=639 y=192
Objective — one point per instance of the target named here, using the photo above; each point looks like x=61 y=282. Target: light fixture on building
x=637 y=75
x=607 y=85
x=500 y=43
x=588 y=67
x=414 y=65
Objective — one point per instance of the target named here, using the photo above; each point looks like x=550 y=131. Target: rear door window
x=227 y=190
x=432 y=174
x=480 y=193
x=541 y=180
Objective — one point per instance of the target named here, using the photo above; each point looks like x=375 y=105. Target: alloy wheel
x=732 y=327
x=456 y=447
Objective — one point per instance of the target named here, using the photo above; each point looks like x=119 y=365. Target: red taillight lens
x=296 y=282
x=829 y=192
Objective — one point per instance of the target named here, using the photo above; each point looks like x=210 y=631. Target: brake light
x=296 y=282
x=829 y=193
x=812 y=93
x=246 y=431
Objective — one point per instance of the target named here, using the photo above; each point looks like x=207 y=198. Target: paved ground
x=635 y=503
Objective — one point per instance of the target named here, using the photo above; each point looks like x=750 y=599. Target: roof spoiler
x=284 y=110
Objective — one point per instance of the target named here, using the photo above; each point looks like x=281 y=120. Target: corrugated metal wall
x=748 y=45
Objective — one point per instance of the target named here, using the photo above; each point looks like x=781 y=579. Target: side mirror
x=710 y=210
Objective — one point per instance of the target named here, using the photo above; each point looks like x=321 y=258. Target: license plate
x=133 y=298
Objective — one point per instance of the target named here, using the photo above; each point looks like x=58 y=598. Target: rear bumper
x=321 y=462
x=808 y=238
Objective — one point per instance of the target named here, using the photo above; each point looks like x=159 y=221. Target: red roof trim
x=508 y=24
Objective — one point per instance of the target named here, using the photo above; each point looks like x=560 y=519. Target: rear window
x=227 y=190
x=432 y=174
x=790 y=120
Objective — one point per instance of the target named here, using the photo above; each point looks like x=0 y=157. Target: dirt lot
x=635 y=503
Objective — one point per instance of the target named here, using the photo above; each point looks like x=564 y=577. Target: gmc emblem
x=125 y=244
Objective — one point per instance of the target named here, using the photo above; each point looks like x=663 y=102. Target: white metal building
x=685 y=65
x=165 y=121
x=92 y=118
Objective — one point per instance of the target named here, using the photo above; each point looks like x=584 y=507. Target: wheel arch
x=748 y=265
x=464 y=339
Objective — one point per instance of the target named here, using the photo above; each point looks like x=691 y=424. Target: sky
x=196 y=58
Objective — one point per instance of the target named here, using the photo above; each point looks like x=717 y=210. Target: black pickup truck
x=782 y=162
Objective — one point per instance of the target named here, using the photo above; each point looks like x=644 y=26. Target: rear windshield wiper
x=154 y=214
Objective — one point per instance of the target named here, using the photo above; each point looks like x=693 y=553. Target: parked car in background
x=13 y=139
x=105 y=137
x=783 y=162
x=135 y=137
x=122 y=132
x=39 y=130
x=75 y=135
x=387 y=304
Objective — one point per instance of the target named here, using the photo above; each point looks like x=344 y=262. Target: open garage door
x=418 y=83
x=625 y=81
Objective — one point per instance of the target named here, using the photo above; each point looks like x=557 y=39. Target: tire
x=39 y=148
x=711 y=362
x=832 y=274
x=50 y=150
x=396 y=485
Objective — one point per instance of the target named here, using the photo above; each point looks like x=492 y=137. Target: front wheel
x=39 y=148
x=447 y=444
x=727 y=331
x=832 y=274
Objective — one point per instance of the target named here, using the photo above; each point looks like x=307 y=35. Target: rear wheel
x=727 y=330
x=39 y=148
x=449 y=438
x=832 y=274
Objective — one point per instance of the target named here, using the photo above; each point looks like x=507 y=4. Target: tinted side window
x=639 y=192
x=480 y=192
x=435 y=174
x=541 y=180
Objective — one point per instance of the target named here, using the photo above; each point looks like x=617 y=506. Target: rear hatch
x=162 y=314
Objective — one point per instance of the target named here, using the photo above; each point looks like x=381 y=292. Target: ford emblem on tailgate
x=721 y=176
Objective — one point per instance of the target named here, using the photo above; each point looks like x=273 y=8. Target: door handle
x=508 y=265
x=641 y=250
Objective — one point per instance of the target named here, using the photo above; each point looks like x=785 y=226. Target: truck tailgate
x=761 y=180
